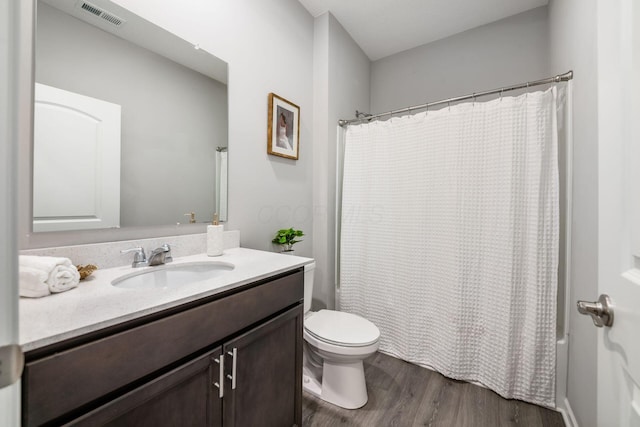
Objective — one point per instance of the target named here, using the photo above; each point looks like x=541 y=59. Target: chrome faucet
x=139 y=257
x=158 y=256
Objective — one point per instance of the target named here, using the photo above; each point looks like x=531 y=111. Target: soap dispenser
x=215 y=239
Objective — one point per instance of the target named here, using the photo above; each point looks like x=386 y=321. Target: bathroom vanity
x=223 y=352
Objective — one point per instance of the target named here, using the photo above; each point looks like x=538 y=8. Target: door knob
x=600 y=311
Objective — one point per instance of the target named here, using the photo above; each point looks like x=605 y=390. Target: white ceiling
x=385 y=27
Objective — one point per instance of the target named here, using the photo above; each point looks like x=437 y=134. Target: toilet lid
x=341 y=328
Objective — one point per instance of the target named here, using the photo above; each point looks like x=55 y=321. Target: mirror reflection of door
x=174 y=110
x=76 y=182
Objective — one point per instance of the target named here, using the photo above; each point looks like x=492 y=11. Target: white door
x=618 y=376
x=76 y=161
x=9 y=395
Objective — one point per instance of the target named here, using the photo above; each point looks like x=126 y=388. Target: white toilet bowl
x=336 y=343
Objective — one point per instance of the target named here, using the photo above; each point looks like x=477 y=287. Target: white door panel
x=618 y=376
x=76 y=182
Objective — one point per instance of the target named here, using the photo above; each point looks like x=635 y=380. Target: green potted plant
x=287 y=238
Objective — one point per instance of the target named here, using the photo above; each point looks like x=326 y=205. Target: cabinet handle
x=220 y=384
x=232 y=377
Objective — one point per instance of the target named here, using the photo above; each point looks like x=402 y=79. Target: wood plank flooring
x=402 y=394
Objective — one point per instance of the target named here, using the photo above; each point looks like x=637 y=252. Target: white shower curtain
x=221 y=181
x=449 y=240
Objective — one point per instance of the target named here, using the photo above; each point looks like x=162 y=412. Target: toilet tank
x=309 y=270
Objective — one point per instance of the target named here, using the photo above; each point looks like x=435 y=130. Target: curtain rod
x=555 y=79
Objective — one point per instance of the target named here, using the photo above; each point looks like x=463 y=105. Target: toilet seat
x=341 y=329
x=337 y=351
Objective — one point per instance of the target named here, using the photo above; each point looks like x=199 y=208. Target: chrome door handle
x=220 y=383
x=600 y=311
x=234 y=364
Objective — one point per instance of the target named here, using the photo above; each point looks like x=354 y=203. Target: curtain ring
x=474 y=99
x=501 y=90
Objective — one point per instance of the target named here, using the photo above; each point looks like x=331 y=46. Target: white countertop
x=96 y=304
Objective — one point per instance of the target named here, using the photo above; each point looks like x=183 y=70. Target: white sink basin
x=171 y=276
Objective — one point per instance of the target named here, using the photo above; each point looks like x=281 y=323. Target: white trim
x=569 y=207
x=340 y=134
x=15 y=78
x=562 y=346
x=562 y=371
x=567 y=414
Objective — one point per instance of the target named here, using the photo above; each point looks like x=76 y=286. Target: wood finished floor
x=402 y=394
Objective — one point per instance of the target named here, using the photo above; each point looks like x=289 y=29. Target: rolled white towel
x=61 y=274
x=32 y=283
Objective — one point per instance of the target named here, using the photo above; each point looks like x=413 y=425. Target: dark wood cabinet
x=167 y=370
x=267 y=374
x=182 y=397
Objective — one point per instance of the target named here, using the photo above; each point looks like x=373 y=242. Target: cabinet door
x=185 y=396
x=264 y=374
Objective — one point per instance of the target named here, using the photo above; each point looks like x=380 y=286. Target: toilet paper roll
x=215 y=240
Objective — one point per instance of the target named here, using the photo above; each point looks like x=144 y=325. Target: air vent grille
x=111 y=18
x=91 y=9
x=101 y=13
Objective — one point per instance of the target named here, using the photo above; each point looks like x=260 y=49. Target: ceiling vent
x=101 y=13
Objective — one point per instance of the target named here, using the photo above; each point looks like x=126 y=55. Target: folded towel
x=32 y=283
x=61 y=275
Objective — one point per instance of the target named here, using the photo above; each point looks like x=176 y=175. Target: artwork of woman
x=283 y=129
x=283 y=140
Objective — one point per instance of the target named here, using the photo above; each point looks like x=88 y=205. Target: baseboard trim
x=567 y=414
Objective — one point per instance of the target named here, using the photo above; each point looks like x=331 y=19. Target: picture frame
x=283 y=130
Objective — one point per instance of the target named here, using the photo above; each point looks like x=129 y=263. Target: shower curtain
x=221 y=182
x=449 y=240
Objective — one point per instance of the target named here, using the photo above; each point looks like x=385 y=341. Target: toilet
x=335 y=344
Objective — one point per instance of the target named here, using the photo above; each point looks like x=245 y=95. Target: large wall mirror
x=130 y=122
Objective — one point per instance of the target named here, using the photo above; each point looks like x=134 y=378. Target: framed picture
x=283 y=136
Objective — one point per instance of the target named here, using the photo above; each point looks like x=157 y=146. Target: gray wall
x=269 y=48
x=172 y=117
x=505 y=52
x=341 y=86
x=572 y=29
